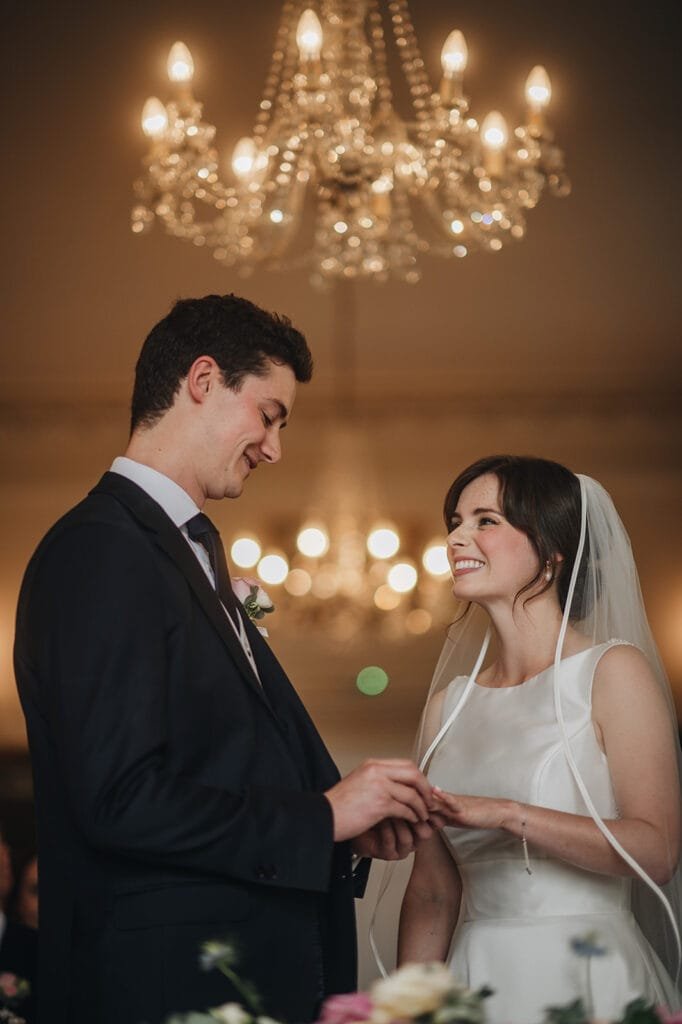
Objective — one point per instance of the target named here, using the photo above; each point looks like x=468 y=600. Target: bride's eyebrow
x=495 y=511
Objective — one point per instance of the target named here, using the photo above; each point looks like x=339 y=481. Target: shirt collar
x=172 y=498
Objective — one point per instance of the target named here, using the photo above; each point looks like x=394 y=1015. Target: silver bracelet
x=524 y=843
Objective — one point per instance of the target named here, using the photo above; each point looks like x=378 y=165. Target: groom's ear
x=203 y=375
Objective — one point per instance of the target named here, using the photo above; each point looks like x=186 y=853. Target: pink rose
x=346 y=1009
x=241 y=585
x=667 y=1017
x=8 y=984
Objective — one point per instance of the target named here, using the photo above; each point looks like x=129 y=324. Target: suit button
x=272 y=872
x=261 y=872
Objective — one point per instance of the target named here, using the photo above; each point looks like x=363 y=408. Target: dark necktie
x=201 y=529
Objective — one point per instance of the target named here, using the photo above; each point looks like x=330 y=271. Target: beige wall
x=53 y=453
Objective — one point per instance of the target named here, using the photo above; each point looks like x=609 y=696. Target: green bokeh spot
x=372 y=681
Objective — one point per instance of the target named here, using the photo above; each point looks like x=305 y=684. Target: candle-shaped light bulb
x=538 y=88
x=309 y=35
x=244 y=158
x=180 y=65
x=454 y=55
x=154 y=118
x=494 y=131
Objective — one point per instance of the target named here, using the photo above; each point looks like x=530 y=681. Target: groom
x=182 y=791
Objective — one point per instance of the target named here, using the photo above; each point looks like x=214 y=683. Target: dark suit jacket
x=18 y=953
x=177 y=799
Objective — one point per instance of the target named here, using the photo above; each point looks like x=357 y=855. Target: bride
x=550 y=737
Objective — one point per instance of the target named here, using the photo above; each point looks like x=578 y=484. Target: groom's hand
x=391 y=839
x=375 y=791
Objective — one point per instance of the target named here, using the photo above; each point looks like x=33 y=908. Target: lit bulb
x=538 y=88
x=309 y=35
x=313 y=542
x=453 y=57
x=383 y=542
x=435 y=560
x=494 y=131
x=154 y=118
x=402 y=577
x=180 y=65
x=244 y=158
x=245 y=552
x=273 y=569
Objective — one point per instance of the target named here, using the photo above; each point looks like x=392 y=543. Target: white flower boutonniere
x=257 y=602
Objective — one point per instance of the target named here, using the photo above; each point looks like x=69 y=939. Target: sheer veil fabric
x=603 y=602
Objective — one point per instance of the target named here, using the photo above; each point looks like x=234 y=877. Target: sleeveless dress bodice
x=515 y=929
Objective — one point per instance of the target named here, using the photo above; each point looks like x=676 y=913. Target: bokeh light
x=313 y=542
x=372 y=680
x=418 y=621
x=298 y=583
x=402 y=577
x=435 y=560
x=245 y=552
x=385 y=598
x=273 y=568
x=383 y=542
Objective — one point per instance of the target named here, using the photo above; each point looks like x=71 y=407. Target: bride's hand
x=472 y=811
x=391 y=839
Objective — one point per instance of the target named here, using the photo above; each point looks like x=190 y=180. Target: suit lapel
x=320 y=770
x=169 y=538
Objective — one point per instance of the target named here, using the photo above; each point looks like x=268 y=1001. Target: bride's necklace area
x=494 y=677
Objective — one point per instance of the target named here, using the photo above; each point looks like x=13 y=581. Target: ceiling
x=588 y=303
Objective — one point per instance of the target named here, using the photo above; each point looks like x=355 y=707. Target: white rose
x=231 y=1013
x=413 y=990
x=264 y=600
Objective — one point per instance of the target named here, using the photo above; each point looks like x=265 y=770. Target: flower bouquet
x=426 y=993
x=13 y=991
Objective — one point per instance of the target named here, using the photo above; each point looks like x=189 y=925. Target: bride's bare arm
x=430 y=905
x=633 y=726
x=431 y=902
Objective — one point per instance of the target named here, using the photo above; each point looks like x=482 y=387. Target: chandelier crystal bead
x=333 y=177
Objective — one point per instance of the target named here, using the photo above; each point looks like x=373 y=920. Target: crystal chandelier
x=380 y=190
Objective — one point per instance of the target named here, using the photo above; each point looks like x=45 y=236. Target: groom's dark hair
x=239 y=335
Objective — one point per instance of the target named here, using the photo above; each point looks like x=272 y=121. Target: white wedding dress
x=515 y=929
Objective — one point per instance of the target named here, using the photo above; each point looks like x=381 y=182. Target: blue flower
x=588 y=945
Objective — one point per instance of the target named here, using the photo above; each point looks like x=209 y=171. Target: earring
x=548 y=570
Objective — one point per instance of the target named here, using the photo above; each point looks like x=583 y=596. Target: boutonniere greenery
x=256 y=602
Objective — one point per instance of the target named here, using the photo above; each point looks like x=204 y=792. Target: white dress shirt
x=180 y=508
